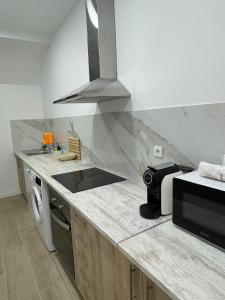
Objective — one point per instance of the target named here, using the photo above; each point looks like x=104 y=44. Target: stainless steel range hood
x=103 y=84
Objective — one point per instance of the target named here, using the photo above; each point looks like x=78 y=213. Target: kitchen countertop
x=45 y=165
x=184 y=266
x=112 y=209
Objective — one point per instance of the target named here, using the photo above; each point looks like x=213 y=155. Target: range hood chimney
x=103 y=84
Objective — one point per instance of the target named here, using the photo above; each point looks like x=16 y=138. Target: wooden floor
x=27 y=270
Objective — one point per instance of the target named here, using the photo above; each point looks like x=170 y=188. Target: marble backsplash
x=124 y=141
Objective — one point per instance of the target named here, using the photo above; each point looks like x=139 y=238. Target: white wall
x=20 y=97
x=66 y=65
x=22 y=61
x=17 y=102
x=170 y=53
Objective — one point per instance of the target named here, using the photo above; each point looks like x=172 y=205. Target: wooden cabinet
x=128 y=279
x=131 y=283
x=102 y=272
x=85 y=256
x=152 y=291
x=21 y=176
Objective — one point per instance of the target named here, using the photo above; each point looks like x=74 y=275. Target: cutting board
x=74 y=146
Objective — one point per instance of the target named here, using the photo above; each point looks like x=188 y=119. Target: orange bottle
x=47 y=138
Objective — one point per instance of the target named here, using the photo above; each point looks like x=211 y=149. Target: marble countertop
x=185 y=267
x=112 y=209
x=46 y=165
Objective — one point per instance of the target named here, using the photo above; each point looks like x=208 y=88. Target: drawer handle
x=132 y=270
x=86 y=265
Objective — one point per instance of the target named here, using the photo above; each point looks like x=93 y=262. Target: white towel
x=212 y=171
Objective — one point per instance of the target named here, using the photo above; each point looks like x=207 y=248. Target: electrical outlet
x=158 y=151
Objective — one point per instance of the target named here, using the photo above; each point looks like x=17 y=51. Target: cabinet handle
x=132 y=295
x=85 y=265
x=149 y=287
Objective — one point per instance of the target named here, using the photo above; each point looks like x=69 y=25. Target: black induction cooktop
x=87 y=179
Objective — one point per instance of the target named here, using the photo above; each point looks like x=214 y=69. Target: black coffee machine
x=153 y=178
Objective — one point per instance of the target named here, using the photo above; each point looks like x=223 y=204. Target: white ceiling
x=34 y=20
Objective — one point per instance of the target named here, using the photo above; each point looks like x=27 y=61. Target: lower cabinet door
x=160 y=294
x=149 y=289
x=152 y=291
x=92 y=265
x=103 y=272
x=128 y=279
x=86 y=257
x=122 y=276
x=106 y=268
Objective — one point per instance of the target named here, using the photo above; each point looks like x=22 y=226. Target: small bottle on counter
x=57 y=150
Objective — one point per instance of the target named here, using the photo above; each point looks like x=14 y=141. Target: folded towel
x=212 y=171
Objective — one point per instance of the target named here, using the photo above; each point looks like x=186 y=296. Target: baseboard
x=11 y=194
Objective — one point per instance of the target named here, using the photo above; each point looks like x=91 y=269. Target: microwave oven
x=199 y=207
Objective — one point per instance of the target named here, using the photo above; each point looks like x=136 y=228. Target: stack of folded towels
x=212 y=171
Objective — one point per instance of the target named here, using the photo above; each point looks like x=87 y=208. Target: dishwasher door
x=62 y=238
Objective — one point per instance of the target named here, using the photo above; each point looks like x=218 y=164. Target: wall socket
x=158 y=151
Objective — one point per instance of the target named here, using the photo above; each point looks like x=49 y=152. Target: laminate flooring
x=28 y=271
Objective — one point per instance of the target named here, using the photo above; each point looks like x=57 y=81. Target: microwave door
x=200 y=210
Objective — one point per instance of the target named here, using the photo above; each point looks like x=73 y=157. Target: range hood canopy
x=103 y=84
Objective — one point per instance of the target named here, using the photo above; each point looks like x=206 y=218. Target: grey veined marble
x=124 y=141
x=112 y=209
x=186 y=267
